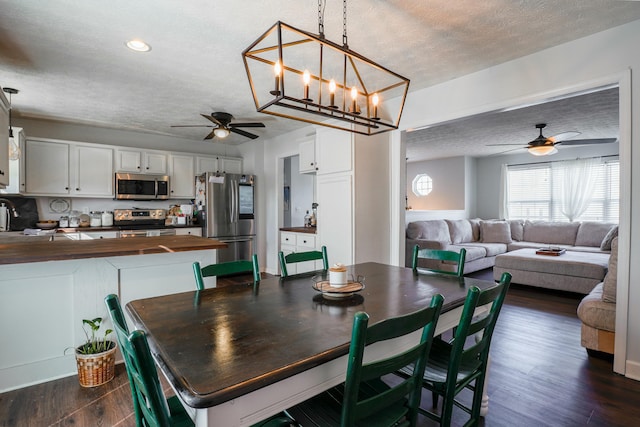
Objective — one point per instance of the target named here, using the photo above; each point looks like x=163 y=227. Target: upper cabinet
x=218 y=164
x=91 y=171
x=46 y=167
x=308 y=156
x=58 y=168
x=139 y=161
x=4 y=140
x=334 y=150
x=182 y=174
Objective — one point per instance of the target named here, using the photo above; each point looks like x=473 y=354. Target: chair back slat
x=354 y=408
x=438 y=257
x=225 y=269
x=296 y=257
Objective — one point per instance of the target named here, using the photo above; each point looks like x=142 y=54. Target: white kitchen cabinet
x=333 y=150
x=46 y=167
x=4 y=140
x=230 y=165
x=206 y=164
x=182 y=174
x=138 y=161
x=218 y=164
x=91 y=235
x=353 y=205
x=57 y=169
x=299 y=242
x=189 y=231
x=307 y=153
x=91 y=171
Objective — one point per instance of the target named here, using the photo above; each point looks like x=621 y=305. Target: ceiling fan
x=222 y=126
x=543 y=146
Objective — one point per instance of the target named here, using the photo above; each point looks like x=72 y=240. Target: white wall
x=449 y=177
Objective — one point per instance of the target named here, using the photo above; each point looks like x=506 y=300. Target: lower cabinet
x=299 y=242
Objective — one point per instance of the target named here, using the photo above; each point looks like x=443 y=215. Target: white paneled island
x=48 y=287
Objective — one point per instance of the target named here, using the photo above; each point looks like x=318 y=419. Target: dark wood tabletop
x=39 y=251
x=221 y=343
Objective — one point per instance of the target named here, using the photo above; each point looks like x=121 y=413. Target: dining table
x=238 y=354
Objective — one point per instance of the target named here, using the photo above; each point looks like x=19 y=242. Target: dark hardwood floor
x=539 y=376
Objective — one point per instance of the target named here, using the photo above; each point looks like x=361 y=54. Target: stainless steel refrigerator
x=225 y=205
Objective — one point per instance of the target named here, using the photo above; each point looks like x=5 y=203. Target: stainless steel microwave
x=132 y=186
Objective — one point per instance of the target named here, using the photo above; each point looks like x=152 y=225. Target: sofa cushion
x=596 y=313
x=473 y=252
x=490 y=249
x=609 y=287
x=495 y=232
x=435 y=229
x=517 y=229
x=591 y=233
x=460 y=230
x=605 y=245
x=551 y=233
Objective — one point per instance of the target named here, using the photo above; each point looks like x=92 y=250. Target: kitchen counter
x=39 y=251
x=309 y=230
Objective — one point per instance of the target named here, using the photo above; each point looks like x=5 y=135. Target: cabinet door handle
x=1 y=172
x=77 y=189
x=66 y=188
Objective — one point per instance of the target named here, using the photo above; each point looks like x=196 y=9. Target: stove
x=139 y=218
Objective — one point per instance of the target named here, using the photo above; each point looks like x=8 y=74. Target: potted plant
x=97 y=356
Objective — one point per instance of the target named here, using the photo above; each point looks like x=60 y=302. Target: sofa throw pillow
x=591 y=233
x=608 y=239
x=495 y=232
x=460 y=230
x=475 y=228
x=611 y=279
x=517 y=229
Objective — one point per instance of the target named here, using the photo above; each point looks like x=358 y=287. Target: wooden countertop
x=59 y=250
x=308 y=230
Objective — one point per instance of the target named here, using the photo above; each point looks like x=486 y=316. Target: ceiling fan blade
x=563 y=136
x=500 y=145
x=210 y=136
x=191 y=126
x=212 y=120
x=588 y=141
x=247 y=125
x=243 y=133
x=507 y=151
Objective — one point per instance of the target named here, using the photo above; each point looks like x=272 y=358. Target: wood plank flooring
x=539 y=376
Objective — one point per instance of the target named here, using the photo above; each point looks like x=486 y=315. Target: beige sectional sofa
x=510 y=246
x=597 y=311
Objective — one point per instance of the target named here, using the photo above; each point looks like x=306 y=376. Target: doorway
x=298 y=193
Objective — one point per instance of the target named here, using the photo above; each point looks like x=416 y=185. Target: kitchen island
x=48 y=287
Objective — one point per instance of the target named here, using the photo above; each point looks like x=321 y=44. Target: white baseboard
x=632 y=370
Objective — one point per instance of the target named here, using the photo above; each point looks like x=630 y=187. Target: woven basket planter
x=96 y=369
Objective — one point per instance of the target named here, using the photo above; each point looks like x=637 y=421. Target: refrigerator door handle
x=234 y=189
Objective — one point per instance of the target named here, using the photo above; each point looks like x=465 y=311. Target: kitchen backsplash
x=51 y=207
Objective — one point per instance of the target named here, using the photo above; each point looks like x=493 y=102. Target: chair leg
x=434 y=399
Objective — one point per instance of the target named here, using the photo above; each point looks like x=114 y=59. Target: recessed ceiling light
x=138 y=45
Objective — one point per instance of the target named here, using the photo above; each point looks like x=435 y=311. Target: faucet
x=11 y=206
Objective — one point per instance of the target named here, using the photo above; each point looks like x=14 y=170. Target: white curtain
x=576 y=179
x=503 y=208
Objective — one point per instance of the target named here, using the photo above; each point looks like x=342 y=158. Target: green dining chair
x=364 y=399
x=226 y=269
x=151 y=407
x=295 y=257
x=462 y=363
x=439 y=256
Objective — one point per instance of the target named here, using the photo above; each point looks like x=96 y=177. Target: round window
x=422 y=185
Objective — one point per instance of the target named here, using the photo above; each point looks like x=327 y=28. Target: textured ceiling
x=68 y=59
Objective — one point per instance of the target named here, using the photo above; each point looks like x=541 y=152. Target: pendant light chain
x=321 y=19
x=344 y=24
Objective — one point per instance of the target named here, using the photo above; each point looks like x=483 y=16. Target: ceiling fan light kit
x=542 y=150
x=302 y=76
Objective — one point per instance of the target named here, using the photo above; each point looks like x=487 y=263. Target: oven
x=141 y=222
